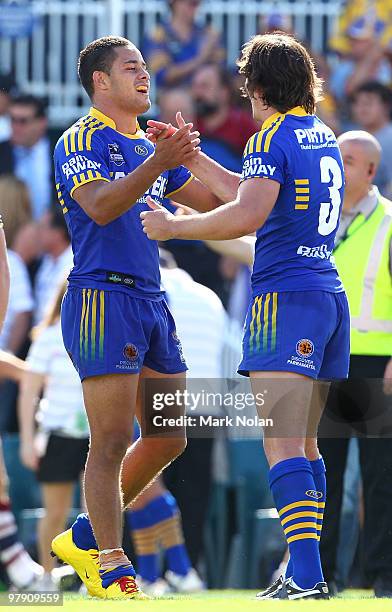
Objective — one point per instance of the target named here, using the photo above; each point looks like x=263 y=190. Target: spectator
x=371 y=111
x=56 y=262
x=21 y=570
x=27 y=154
x=178 y=47
x=200 y=323
x=58 y=451
x=225 y=129
x=15 y=210
x=6 y=86
x=363 y=57
x=362 y=255
x=190 y=255
x=173 y=100
x=359 y=17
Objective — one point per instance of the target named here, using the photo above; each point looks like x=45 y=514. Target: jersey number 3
x=329 y=211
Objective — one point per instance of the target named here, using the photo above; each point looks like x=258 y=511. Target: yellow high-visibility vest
x=363 y=263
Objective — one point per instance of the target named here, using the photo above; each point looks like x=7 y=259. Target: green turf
x=229 y=601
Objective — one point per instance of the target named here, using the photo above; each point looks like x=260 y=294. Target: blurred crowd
x=190 y=73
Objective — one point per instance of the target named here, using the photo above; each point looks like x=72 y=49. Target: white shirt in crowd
x=20 y=297
x=50 y=276
x=61 y=409
x=200 y=321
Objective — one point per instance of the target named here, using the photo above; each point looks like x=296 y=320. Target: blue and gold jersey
x=294 y=247
x=118 y=255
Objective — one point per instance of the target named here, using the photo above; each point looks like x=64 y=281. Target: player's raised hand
x=159 y=129
x=157 y=223
x=177 y=149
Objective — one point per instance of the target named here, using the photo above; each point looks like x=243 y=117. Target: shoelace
x=127 y=584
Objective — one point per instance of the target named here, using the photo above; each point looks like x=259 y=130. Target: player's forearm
x=223 y=183
x=115 y=198
x=225 y=223
x=242 y=249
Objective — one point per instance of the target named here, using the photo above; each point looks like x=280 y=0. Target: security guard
x=360 y=405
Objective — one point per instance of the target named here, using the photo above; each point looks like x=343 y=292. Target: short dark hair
x=38 y=104
x=98 y=55
x=57 y=221
x=280 y=66
x=377 y=88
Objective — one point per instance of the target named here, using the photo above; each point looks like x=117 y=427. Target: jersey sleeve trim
x=168 y=195
x=87 y=177
x=264 y=178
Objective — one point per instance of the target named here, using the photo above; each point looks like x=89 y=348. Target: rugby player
x=116 y=325
x=297 y=326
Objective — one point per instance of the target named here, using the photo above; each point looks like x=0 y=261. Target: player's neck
x=352 y=199
x=265 y=114
x=125 y=123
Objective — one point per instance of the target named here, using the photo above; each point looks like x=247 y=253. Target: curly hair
x=282 y=71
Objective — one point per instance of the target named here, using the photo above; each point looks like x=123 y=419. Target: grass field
x=229 y=601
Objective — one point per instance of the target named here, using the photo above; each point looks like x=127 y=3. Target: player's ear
x=100 y=80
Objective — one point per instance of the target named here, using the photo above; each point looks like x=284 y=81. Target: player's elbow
x=98 y=214
x=250 y=222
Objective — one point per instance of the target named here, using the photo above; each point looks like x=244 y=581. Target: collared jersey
x=118 y=255
x=294 y=247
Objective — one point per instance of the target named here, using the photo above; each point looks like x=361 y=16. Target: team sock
x=158 y=525
x=13 y=556
x=82 y=533
x=172 y=538
x=108 y=576
x=142 y=526
x=291 y=482
x=318 y=470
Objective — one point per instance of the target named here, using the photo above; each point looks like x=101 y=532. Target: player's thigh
x=169 y=388
x=287 y=402
x=287 y=332
x=110 y=402
x=105 y=332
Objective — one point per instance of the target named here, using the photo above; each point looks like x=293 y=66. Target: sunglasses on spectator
x=22 y=120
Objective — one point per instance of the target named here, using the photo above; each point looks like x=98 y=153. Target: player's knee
x=279 y=449
x=112 y=447
x=173 y=447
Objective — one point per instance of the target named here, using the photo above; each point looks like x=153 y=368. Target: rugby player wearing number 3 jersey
x=297 y=326
x=116 y=325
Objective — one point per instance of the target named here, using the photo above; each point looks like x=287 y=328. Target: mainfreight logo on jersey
x=77 y=164
x=255 y=167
